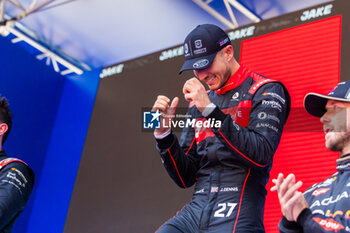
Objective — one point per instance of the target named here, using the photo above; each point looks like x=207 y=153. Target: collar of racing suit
x=235 y=80
x=2 y=154
x=343 y=164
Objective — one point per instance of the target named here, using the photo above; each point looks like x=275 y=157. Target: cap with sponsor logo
x=201 y=46
x=315 y=104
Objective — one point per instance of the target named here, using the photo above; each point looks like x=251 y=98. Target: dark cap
x=315 y=104
x=202 y=45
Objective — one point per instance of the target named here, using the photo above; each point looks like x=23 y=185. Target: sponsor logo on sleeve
x=330 y=200
x=265 y=125
x=16 y=178
x=264 y=115
x=275 y=95
x=320 y=191
x=342 y=166
x=329 y=224
x=329 y=213
x=273 y=104
x=20 y=174
x=12 y=183
x=20 y=180
x=325 y=183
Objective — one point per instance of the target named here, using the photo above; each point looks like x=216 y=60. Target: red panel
x=306 y=59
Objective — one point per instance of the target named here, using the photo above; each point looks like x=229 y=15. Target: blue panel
x=63 y=156
x=34 y=91
x=51 y=114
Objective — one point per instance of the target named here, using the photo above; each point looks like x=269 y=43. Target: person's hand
x=168 y=112
x=196 y=94
x=291 y=200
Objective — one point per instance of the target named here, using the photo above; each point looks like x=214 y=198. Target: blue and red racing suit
x=329 y=203
x=229 y=163
x=16 y=184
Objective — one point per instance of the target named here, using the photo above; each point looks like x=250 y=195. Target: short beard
x=339 y=145
x=336 y=147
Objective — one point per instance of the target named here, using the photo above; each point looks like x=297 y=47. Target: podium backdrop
x=122 y=185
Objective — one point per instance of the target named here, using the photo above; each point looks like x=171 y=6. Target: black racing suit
x=16 y=183
x=229 y=163
x=329 y=203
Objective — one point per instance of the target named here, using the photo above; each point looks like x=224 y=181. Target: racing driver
x=325 y=206
x=229 y=163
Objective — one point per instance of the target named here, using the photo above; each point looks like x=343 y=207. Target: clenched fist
x=196 y=94
x=168 y=112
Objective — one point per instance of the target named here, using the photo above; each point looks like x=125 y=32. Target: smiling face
x=336 y=126
x=217 y=74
